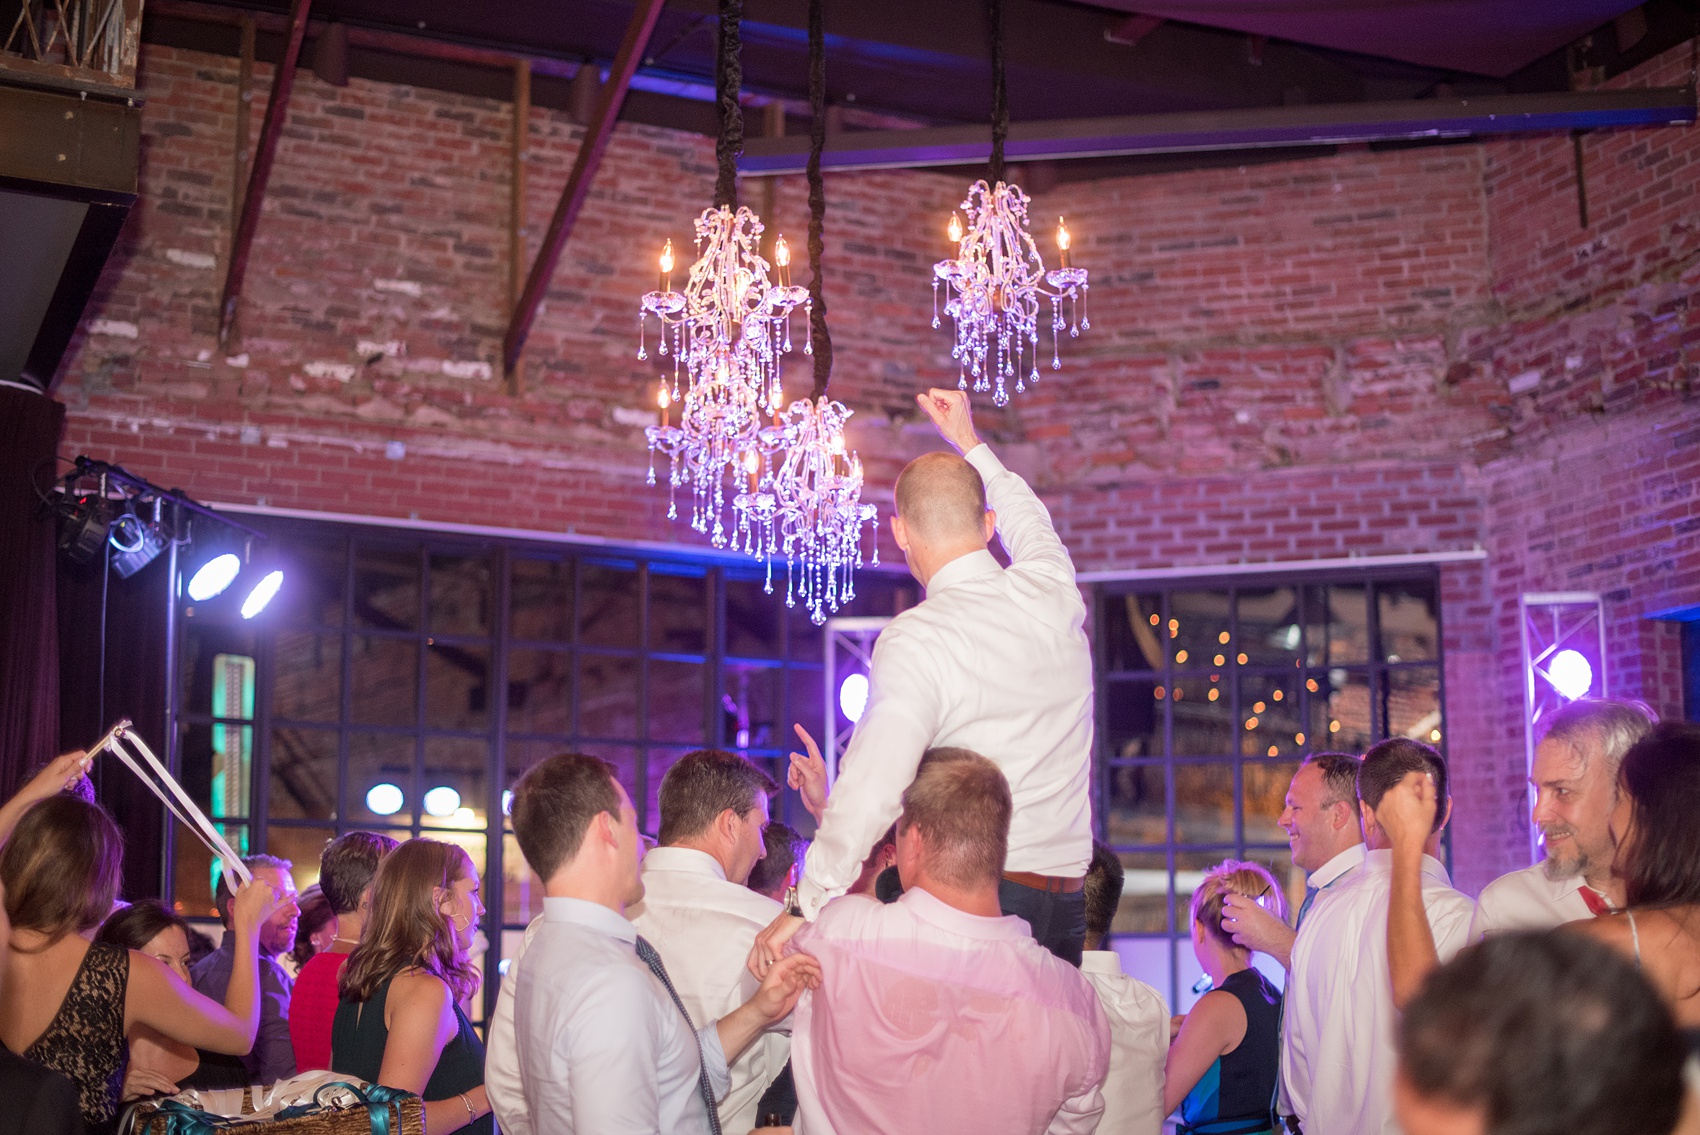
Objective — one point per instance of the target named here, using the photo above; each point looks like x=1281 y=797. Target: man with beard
x=1575 y=779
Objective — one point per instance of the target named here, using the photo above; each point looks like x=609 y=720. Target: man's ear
x=990 y=522
x=899 y=531
x=726 y=825
x=1445 y=815
x=1366 y=816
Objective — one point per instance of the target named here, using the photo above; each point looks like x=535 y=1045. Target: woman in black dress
x=1222 y=1065
x=399 y=1022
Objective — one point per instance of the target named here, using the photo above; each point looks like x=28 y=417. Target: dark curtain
x=30 y=428
x=134 y=688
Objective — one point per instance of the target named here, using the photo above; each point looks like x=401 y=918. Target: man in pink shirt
x=938 y=1012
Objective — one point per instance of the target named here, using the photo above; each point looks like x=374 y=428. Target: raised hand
x=1246 y=921
x=255 y=902
x=769 y=946
x=808 y=775
x=58 y=775
x=1406 y=813
x=949 y=412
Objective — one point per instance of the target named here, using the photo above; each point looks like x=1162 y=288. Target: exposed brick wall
x=1288 y=361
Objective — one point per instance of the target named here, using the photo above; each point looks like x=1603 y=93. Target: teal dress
x=1235 y=1095
x=358 y=1037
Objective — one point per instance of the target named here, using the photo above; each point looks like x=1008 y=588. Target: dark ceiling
x=926 y=62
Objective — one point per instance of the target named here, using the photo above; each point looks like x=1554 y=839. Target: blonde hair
x=407 y=929
x=1235 y=877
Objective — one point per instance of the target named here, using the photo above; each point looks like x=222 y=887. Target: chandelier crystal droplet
x=725 y=333
x=996 y=287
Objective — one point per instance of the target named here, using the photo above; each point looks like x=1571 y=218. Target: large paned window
x=1210 y=694
x=403 y=682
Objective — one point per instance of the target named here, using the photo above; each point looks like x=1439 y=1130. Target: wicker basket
x=405 y=1115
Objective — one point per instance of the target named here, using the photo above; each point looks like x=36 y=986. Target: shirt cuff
x=811 y=896
x=983 y=459
x=714 y=1059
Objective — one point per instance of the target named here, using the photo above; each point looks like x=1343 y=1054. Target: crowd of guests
x=1567 y=998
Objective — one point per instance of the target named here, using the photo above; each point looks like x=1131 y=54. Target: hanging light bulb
x=955 y=229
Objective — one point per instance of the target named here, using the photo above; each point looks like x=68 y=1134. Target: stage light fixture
x=441 y=802
x=84 y=519
x=384 y=799
x=265 y=587
x=136 y=543
x=1571 y=674
x=212 y=577
x=853 y=696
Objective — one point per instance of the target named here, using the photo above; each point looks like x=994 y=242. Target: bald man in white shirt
x=994 y=660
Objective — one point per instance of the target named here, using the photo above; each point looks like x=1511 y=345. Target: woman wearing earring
x=399 y=1021
x=1222 y=1065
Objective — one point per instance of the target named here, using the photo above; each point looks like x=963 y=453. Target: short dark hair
x=316 y=914
x=346 y=867
x=553 y=806
x=1387 y=763
x=221 y=890
x=1103 y=892
x=1545 y=1032
x=704 y=783
x=1339 y=776
x=134 y=926
x=1661 y=773
x=961 y=802
x=784 y=847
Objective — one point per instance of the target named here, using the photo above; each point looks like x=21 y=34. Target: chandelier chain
x=1000 y=94
x=728 y=80
x=817 y=199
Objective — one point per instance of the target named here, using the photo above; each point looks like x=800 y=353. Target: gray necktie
x=653 y=961
x=1304 y=907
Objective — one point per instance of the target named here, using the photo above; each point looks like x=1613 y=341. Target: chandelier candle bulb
x=1062 y=241
x=955 y=229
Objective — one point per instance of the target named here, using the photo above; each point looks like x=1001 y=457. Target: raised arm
x=160 y=999
x=1407 y=816
x=53 y=779
x=1024 y=524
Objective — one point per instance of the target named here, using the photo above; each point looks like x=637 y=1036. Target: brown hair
x=61 y=867
x=407 y=929
x=553 y=805
x=347 y=865
x=940 y=494
x=1339 y=777
x=223 y=896
x=316 y=914
x=140 y=923
x=1235 y=877
x=1387 y=762
x=703 y=784
x=961 y=802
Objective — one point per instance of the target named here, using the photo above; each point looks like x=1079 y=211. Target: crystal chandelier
x=997 y=283
x=995 y=288
x=726 y=333
x=807 y=505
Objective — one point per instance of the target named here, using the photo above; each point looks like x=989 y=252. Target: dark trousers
x=1058 y=920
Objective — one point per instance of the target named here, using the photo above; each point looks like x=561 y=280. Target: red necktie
x=1596 y=902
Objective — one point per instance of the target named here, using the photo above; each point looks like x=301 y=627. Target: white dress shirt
x=502 y=1083
x=995 y=660
x=1321 y=881
x=1528 y=900
x=703 y=927
x=602 y=1048
x=1338 y=1056
x=931 y=1019
x=1139 y=1044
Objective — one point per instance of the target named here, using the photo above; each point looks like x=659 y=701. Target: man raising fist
x=994 y=660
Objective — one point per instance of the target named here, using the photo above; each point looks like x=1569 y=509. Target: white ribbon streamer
x=166 y=787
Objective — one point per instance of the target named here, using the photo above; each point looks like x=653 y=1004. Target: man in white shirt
x=603 y=1044
x=1327 y=842
x=937 y=1013
x=1326 y=837
x=1575 y=779
x=994 y=660
x=1139 y=1017
x=700 y=915
x=1340 y=1013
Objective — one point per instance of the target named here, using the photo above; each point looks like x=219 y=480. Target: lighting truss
x=1554 y=625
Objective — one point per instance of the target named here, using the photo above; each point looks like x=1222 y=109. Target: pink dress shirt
x=932 y=1019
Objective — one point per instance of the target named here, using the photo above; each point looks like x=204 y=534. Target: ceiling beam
x=1192 y=131
x=591 y=147
x=271 y=130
